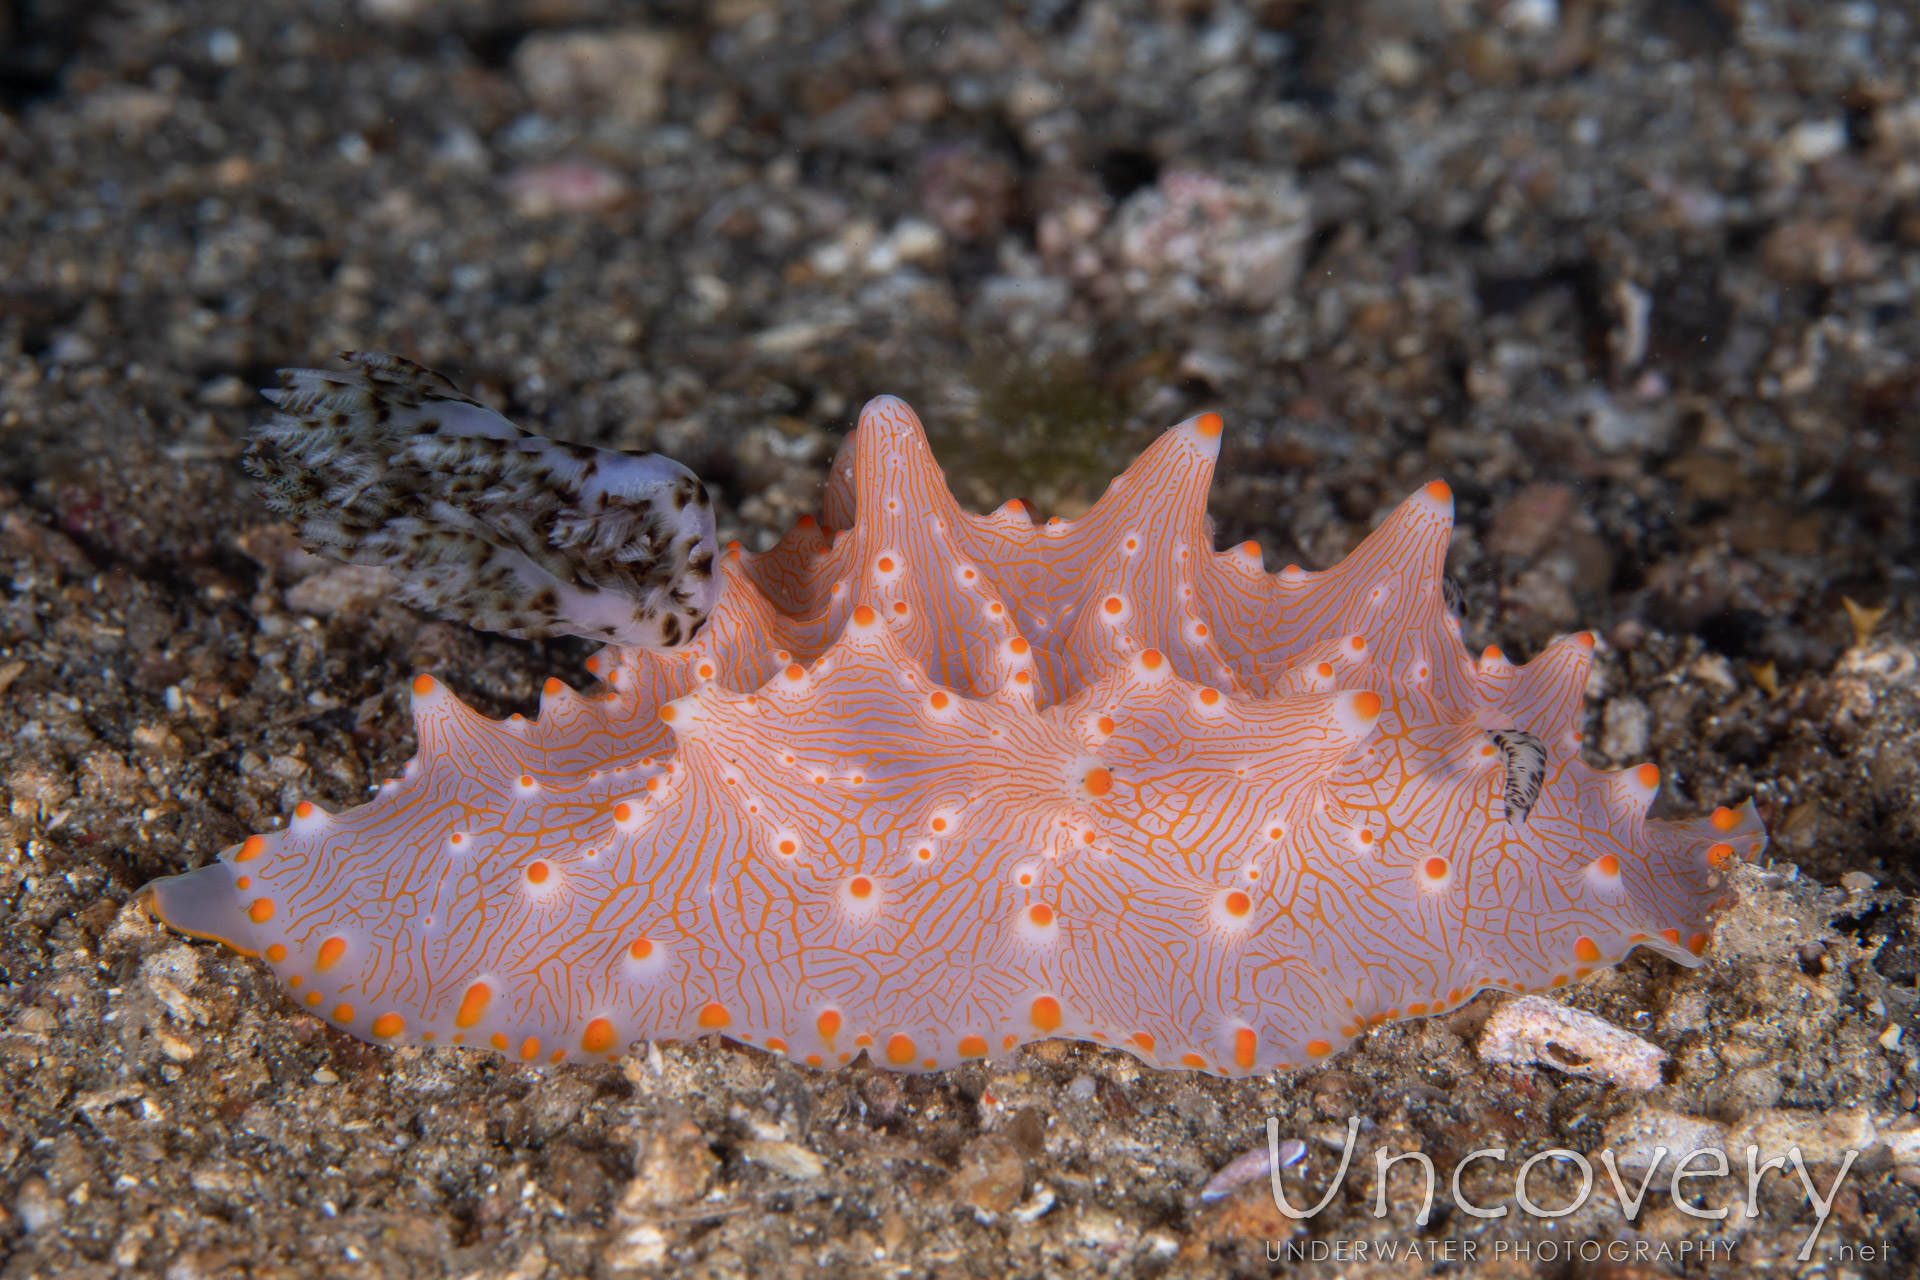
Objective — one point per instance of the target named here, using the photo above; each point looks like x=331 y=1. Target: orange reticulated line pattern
x=931 y=785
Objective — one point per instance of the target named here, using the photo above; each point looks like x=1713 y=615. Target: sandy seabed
x=1636 y=278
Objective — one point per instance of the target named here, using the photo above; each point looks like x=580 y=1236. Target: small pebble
x=785 y=1158
x=1255 y=1164
x=565 y=186
x=1528 y=1030
x=1037 y=1206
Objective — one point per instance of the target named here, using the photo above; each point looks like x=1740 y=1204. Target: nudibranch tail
x=928 y=786
x=203 y=903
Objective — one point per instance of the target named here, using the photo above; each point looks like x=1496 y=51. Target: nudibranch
x=929 y=785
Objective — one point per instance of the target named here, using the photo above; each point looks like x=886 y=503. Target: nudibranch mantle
x=929 y=785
